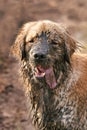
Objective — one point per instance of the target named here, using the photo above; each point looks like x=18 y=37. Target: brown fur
x=65 y=107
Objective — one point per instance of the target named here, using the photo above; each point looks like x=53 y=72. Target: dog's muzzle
x=38 y=56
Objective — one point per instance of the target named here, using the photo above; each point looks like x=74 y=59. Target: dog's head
x=47 y=48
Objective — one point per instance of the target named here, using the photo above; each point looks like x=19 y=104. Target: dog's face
x=46 y=48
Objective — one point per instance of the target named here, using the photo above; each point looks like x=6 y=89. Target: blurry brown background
x=13 y=14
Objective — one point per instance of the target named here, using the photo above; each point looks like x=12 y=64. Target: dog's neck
x=45 y=102
x=47 y=105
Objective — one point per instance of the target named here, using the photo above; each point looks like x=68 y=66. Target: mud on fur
x=55 y=76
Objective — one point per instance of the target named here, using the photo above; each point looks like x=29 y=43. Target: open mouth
x=46 y=73
x=39 y=72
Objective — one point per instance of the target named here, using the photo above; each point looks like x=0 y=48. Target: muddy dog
x=55 y=76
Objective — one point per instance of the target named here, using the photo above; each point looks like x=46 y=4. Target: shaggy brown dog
x=55 y=76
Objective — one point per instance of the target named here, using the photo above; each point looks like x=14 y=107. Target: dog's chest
x=56 y=109
x=67 y=108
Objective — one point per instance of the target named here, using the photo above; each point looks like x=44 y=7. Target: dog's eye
x=31 y=41
x=53 y=43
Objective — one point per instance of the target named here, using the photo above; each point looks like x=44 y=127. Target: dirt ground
x=13 y=14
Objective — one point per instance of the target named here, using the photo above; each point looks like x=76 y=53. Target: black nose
x=39 y=56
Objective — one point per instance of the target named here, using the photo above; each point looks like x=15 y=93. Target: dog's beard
x=43 y=72
x=47 y=74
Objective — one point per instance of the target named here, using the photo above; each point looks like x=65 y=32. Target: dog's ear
x=18 y=47
x=69 y=47
x=70 y=44
x=22 y=49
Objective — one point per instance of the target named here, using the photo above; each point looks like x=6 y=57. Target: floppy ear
x=69 y=47
x=70 y=44
x=22 y=49
x=17 y=48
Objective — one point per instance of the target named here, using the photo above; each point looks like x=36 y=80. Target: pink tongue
x=50 y=78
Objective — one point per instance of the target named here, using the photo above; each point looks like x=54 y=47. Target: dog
x=54 y=75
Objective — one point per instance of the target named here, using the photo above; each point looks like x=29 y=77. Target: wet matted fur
x=55 y=76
